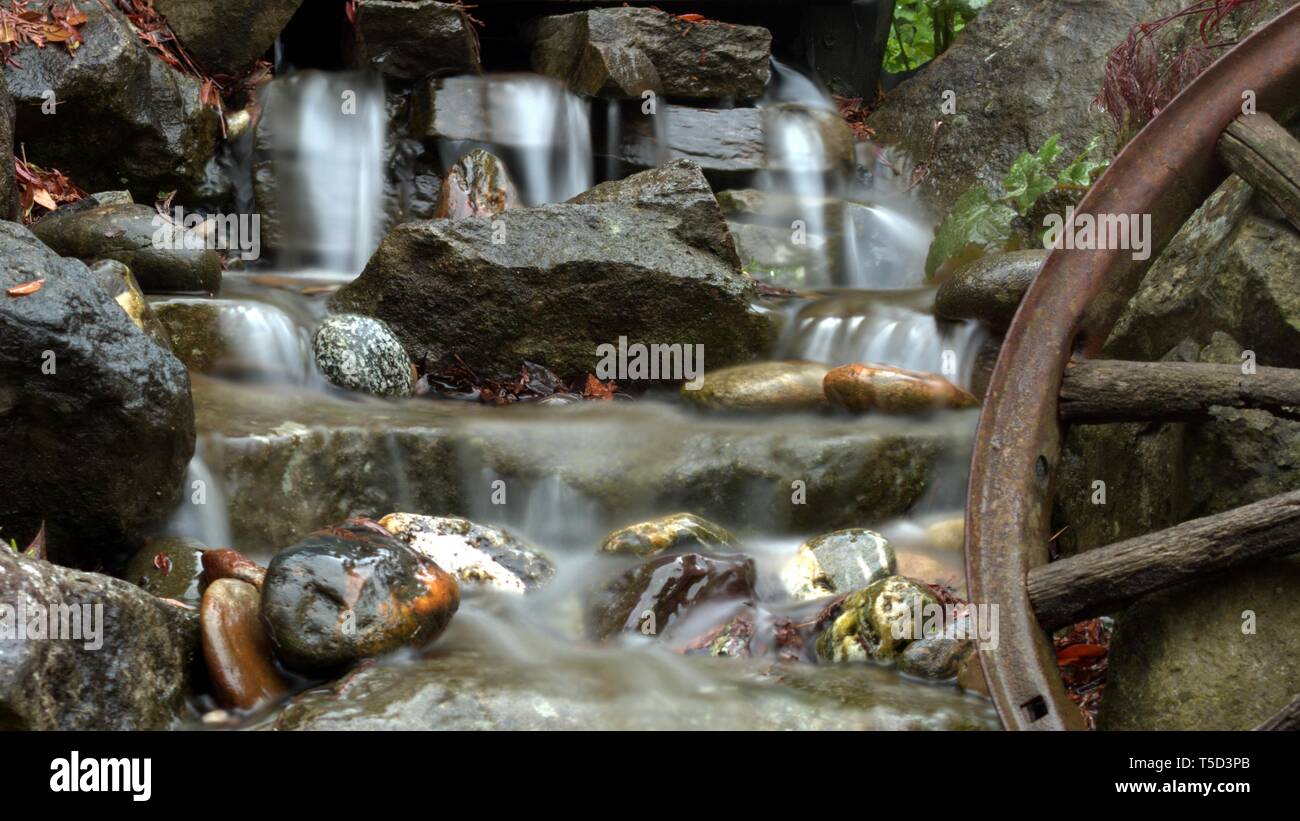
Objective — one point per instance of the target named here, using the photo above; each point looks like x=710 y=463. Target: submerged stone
x=477 y=555
x=675 y=533
x=350 y=592
x=477 y=185
x=652 y=598
x=836 y=563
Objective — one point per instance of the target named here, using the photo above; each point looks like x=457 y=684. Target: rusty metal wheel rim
x=1166 y=171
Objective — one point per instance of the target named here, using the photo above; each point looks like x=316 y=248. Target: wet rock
x=948 y=572
x=839 y=562
x=676 y=533
x=877 y=622
x=138 y=237
x=359 y=353
x=481 y=109
x=477 y=555
x=224 y=563
x=410 y=39
x=765 y=386
x=119 y=283
x=948 y=534
x=471 y=691
x=990 y=288
x=68 y=353
x=169 y=568
x=236 y=648
x=126 y=118
x=647 y=258
x=194 y=332
x=129 y=671
x=289 y=461
x=205 y=29
x=730 y=143
x=1218 y=654
x=351 y=592
x=8 y=181
x=621 y=52
x=892 y=390
x=1028 y=70
x=937 y=657
x=653 y=598
x=477 y=185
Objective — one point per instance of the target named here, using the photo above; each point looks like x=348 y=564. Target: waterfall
x=326 y=134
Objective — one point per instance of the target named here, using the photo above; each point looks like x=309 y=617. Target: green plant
x=923 y=29
x=981 y=221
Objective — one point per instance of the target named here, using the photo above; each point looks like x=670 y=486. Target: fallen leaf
x=1077 y=652
x=26 y=288
x=36 y=550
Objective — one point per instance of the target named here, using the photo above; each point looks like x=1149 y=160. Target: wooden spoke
x=1265 y=155
x=1119 y=391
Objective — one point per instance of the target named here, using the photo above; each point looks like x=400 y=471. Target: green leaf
x=976 y=219
x=1080 y=172
x=1029 y=177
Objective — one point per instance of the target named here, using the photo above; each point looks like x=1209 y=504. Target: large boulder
x=228 y=36
x=623 y=52
x=647 y=258
x=110 y=656
x=125 y=119
x=8 y=183
x=153 y=247
x=410 y=39
x=1219 y=654
x=96 y=422
x=1022 y=71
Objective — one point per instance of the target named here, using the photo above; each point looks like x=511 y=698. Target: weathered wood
x=1265 y=155
x=1288 y=718
x=1103 y=580
x=1119 y=391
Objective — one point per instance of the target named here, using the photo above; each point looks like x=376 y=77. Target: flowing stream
x=281 y=452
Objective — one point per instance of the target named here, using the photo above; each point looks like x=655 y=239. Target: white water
x=327 y=133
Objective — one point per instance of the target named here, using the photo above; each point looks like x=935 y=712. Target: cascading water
x=326 y=135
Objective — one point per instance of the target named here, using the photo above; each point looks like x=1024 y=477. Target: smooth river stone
x=990 y=288
x=654 y=597
x=477 y=185
x=838 y=563
x=478 y=555
x=675 y=533
x=350 y=592
x=169 y=568
x=864 y=625
x=236 y=647
x=762 y=386
x=892 y=390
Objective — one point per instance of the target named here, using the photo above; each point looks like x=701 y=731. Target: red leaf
x=26 y=288
x=1078 y=652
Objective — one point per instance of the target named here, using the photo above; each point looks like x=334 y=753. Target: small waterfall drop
x=327 y=133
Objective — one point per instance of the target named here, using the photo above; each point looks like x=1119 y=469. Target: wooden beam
x=1265 y=155
x=1287 y=719
x=1102 y=581
x=1118 y=391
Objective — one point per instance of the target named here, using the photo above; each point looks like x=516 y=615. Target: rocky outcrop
x=227 y=36
x=110 y=656
x=1219 y=654
x=8 y=183
x=647 y=258
x=124 y=117
x=80 y=388
x=153 y=247
x=411 y=39
x=622 y=52
x=1022 y=71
